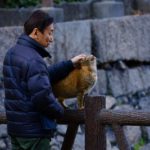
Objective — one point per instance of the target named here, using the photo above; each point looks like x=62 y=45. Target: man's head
x=39 y=26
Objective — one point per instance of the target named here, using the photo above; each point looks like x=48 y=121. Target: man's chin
x=46 y=45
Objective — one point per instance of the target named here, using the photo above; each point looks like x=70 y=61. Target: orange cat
x=78 y=83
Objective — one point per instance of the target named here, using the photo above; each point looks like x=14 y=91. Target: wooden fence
x=96 y=117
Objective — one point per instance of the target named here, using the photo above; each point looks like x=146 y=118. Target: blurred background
x=117 y=32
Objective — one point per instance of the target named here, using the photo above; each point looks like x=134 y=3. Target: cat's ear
x=81 y=61
x=78 y=65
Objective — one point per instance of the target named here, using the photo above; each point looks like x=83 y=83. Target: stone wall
x=90 y=9
x=16 y=17
x=122 y=48
x=76 y=11
x=65 y=12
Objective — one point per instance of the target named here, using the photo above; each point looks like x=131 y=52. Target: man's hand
x=77 y=59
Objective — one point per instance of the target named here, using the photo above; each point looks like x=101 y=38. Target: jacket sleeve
x=41 y=92
x=60 y=70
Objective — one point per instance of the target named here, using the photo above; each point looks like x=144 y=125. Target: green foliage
x=138 y=145
x=27 y=3
x=21 y=3
x=72 y=1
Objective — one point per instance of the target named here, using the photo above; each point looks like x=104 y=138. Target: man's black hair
x=39 y=19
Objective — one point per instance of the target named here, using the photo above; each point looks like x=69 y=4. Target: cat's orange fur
x=78 y=82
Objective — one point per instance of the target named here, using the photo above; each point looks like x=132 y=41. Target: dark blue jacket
x=28 y=92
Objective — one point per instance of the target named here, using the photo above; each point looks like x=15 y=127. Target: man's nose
x=51 y=39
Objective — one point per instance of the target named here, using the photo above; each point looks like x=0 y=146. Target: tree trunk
x=47 y=3
x=2 y=4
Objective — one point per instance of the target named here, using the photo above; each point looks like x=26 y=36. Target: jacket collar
x=28 y=41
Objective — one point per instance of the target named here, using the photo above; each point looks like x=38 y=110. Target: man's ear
x=34 y=34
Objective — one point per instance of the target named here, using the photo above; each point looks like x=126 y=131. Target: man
x=31 y=107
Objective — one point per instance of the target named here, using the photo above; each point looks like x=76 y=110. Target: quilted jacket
x=29 y=99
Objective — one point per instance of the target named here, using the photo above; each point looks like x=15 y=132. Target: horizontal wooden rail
x=135 y=117
x=70 y=117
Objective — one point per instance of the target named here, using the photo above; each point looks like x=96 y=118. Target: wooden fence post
x=95 y=137
x=70 y=137
x=121 y=137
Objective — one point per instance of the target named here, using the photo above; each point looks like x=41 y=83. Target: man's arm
x=40 y=90
x=60 y=70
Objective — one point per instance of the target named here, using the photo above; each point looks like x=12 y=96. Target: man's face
x=46 y=37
